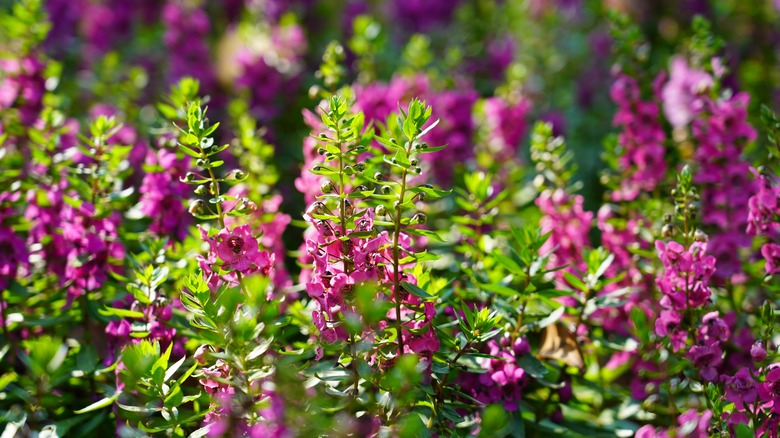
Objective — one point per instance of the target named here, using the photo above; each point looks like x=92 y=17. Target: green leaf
x=122 y=313
x=574 y=281
x=416 y=290
x=87 y=358
x=200 y=433
x=100 y=404
x=742 y=430
x=499 y=289
x=552 y=318
x=426 y=233
x=259 y=349
x=173 y=368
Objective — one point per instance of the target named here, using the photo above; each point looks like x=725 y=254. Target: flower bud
x=246 y=204
x=700 y=236
x=386 y=190
x=189 y=176
x=198 y=207
x=378 y=176
x=416 y=170
x=667 y=231
x=314 y=91
x=327 y=187
x=349 y=208
x=360 y=167
x=380 y=210
x=565 y=392
x=419 y=218
x=200 y=354
x=414 y=161
x=318 y=207
x=166 y=312
x=201 y=162
x=201 y=190
x=668 y=218
x=758 y=352
x=235 y=175
x=321 y=151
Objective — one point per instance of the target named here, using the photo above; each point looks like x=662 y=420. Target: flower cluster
x=504 y=379
x=641 y=139
x=13 y=251
x=269 y=67
x=162 y=192
x=92 y=243
x=505 y=121
x=721 y=130
x=186 y=29
x=764 y=218
x=22 y=86
x=569 y=226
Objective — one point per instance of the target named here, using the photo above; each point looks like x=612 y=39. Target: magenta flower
x=642 y=162
x=682 y=95
x=764 y=206
x=685 y=280
x=770 y=388
x=13 y=255
x=507 y=124
x=648 y=431
x=713 y=329
x=162 y=194
x=239 y=251
x=758 y=352
x=569 y=225
x=741 y=388
x=706 y=358
x=694 y=426
x=771 y=253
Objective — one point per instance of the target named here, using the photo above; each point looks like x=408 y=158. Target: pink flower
x=642 y=163
x=694 y=426
x=771 y=253
x=770 y=388
x=713 y=329
x=682 y=95
x=238 y=249
x=764 y=206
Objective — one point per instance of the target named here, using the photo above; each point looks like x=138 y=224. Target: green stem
x=348 y=266
x=396 y=263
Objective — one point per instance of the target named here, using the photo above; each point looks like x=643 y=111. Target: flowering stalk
x=344 y=147
x=563 y=215
x=233 y=253
x=405 y=162
x=97 y=227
